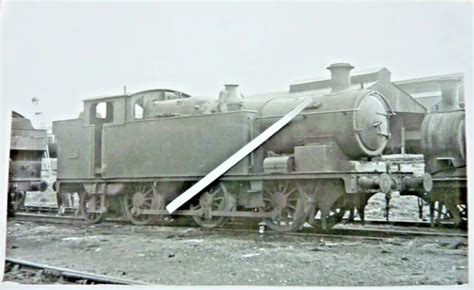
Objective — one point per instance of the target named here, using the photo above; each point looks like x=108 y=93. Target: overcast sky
x=62 y=53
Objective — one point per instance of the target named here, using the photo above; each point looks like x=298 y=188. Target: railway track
x=68 y=275
x=58 y=219
x=372 y=229
x=71 y=212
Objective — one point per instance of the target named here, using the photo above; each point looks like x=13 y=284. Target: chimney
x=449 y=94
x=340 y=76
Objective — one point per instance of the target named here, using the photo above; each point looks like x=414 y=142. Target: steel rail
x=73 y=275
x=364 y=234
x=371 y=229
x=38 y=212
x=56 y=219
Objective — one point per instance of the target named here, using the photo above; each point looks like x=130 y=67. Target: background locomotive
x=444 y=147
x=149 y=147
x=27 y=146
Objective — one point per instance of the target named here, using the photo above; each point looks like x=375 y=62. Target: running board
x=239 y=155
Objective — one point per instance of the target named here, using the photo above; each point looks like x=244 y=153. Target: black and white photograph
x=236 y=144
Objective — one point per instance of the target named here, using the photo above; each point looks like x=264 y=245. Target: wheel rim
x=139 y=198
x=90 y=202
x=215 y=199
x=285 y=202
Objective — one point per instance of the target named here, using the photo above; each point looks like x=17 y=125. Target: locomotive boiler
x=146 y=148
x=27 y=146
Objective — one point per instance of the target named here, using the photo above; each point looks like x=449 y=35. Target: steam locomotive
x=444 y=147
x=27 y=146
x=147 y=148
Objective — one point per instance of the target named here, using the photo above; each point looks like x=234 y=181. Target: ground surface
x=193 y=256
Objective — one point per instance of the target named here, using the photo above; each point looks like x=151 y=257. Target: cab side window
x=102 y=112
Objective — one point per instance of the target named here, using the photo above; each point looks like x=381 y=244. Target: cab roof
x=108 y=97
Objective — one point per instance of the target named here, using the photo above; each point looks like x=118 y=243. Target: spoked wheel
x=141 y=197
x=286 y=203
x=90 y=208
x=215 y=199
x=332 y=218
x=326 y=205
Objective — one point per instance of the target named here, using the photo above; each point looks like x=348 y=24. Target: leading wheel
x=326 y=204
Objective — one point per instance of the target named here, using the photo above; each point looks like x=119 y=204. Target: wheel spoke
x=292 y=191
x=291 y=206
